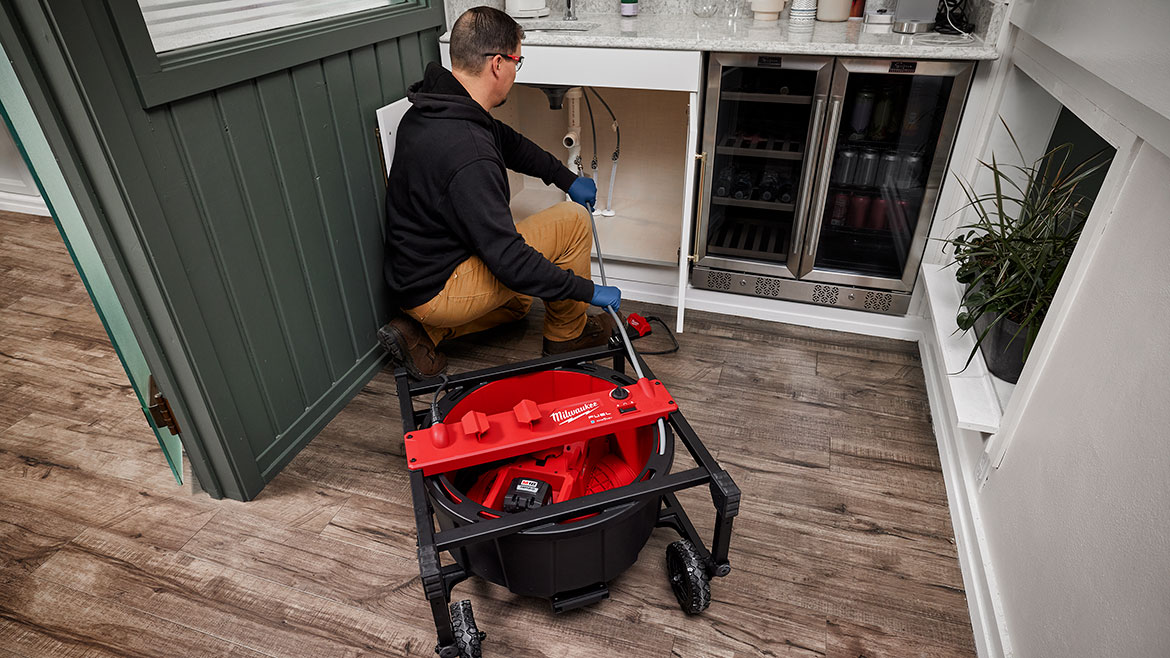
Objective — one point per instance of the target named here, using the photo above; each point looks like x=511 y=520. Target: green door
x=30 y=139
x=234 y=192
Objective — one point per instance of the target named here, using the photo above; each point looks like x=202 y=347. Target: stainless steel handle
x=814 y=139
x=694 y=255
x=822 y=190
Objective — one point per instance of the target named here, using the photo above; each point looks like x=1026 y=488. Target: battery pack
x=525 y=494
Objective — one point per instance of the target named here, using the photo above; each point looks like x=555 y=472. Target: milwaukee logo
x=566 y=416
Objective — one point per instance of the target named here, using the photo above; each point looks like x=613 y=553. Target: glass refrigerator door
x=764 y=115
x=890 y=129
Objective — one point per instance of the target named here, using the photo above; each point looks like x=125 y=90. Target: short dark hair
x=482 y=30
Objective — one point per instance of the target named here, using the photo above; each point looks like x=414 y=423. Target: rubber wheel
x=688 y=577
x=467 y=636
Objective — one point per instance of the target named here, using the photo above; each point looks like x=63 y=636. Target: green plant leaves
x=1014 y=253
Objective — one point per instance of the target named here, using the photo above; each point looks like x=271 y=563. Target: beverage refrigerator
x=820 y=175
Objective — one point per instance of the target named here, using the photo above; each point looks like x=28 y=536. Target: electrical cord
x=435 y=400
x=669 y=334
x=950 y=34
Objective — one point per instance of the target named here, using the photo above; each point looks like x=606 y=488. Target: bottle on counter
x=629 y=7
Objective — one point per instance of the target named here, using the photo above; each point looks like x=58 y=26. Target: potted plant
x=1014 y=253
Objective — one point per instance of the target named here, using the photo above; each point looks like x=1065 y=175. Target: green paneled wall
x=259 y=209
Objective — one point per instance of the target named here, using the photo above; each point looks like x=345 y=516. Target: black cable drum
x=558 y=557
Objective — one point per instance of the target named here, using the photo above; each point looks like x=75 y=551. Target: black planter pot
x=1002 y=347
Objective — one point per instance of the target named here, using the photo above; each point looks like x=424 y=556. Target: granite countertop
x=689 y=32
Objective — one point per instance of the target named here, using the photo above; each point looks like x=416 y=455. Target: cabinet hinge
x=160 y=409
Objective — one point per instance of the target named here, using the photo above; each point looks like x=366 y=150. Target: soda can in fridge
x=867 y=168
x=844 y=166
x=909 y=171
x=878 y=214
x=839 y=209
x=858 y=210
x=887 y=168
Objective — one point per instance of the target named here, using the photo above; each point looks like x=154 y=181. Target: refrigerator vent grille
x=877 y=301
x=719 y=281
x=826 y=294
x=767 y=287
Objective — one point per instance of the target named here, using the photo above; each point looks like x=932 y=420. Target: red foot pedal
x=478 y=438
x=639 y=324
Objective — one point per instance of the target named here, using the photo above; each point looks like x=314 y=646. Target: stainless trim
x=921 y=66
x=961 y=72
x=809 y=292
x=822 y=188
x=807 y=178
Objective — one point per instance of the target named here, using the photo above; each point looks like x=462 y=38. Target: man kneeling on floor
x=456 y=261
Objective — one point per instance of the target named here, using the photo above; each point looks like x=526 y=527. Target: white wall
x=1078 y=515
x=1123 y=42
x=18 y=190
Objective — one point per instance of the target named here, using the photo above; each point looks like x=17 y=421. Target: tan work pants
x=473 y=299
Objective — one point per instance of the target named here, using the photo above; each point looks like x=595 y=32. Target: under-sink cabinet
x=655 y=96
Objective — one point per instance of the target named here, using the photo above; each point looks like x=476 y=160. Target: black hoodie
x=448 y=198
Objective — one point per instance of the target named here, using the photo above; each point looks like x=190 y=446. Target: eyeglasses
x=518 y=59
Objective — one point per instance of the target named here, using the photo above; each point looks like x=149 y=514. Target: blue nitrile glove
x=584 y=191
x=606 y=296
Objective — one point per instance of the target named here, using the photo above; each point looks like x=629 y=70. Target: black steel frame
x=438 y=580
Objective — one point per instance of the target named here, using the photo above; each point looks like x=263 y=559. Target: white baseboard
x=983 y=601
x=23 y=203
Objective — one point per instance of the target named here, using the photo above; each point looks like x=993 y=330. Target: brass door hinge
x=160 y=409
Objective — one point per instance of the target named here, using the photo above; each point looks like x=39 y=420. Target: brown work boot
x=410 y=346
x=598 y=330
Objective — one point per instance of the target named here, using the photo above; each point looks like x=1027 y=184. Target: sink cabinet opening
x=650 y=185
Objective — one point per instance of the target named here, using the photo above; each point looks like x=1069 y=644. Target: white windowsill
x=978 y=398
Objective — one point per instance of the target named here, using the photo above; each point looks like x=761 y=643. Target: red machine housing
x=559 y=411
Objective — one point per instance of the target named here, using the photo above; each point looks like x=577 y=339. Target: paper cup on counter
x=767 y=10
x=802 y=12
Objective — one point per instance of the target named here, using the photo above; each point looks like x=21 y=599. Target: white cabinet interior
x=649 y=189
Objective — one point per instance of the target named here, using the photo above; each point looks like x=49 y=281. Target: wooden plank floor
x=843 y=547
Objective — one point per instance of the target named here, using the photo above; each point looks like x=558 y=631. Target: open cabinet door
x=30 y=140
x=234 y=193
